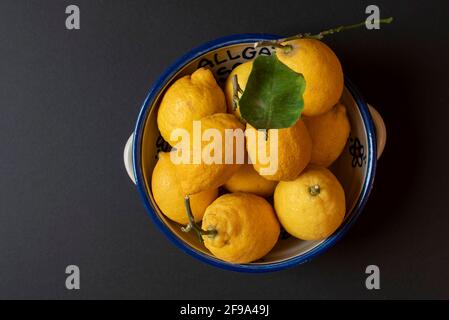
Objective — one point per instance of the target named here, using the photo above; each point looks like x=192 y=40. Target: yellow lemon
x=169 y=196
x=246 y=179
x=329 y=133
x=321 y=69
x=189 y=98
x=293 y=148
x=311 y=207
x=242 y=72
x=201 y=175
x=246 y=226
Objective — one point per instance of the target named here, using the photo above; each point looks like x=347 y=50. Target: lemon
x=311 y=207
x=294 y=148
x=246 y=226
x=242 y=72
x=246 y=179
x=169 y=196
x=329 y=133
x=321 y=69
x=190 y=98
x=201 y=176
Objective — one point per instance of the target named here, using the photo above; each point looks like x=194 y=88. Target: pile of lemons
x=241 y=211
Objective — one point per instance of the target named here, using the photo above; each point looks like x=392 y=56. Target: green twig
x=318 y=36
x=235 y=92
x=192 y=224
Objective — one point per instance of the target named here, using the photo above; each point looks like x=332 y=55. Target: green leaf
x=273 y=97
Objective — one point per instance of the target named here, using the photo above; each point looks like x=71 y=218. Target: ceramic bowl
x=355 y=168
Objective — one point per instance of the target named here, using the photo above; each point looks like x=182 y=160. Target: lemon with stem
x=238 y=227
x=321 y=69
x=311 y=207
x=306 y=54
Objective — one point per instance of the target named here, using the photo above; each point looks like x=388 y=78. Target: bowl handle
x=381 y=130
x=128 y=158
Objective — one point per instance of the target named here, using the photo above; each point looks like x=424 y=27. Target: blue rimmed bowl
x=355 y=168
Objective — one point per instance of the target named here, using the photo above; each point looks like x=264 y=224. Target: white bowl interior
x=350 y=168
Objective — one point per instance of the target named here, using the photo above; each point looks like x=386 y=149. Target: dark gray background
x=69 y=100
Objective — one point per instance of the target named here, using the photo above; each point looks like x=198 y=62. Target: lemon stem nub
x=287 y=48
x=192 y=224
x=314 y=190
